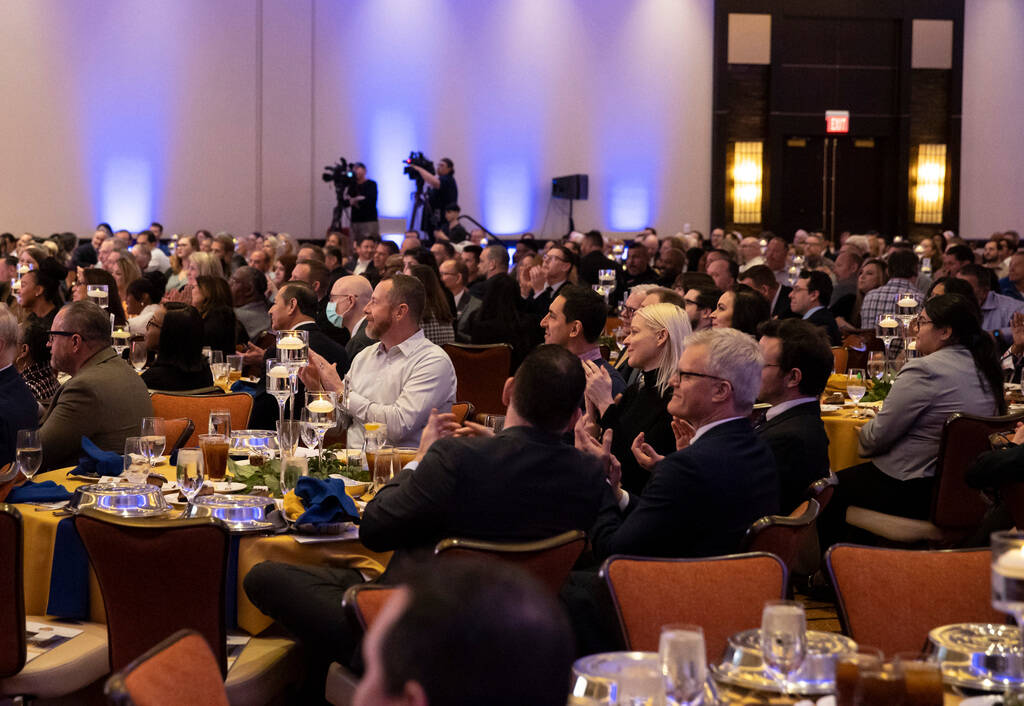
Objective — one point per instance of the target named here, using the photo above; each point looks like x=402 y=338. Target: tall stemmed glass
x=292 y=469
x=293 y=353
x=120 y=335
x=322 y=407
x=1008 y=592
x=279 y=384
x=190 y=475
x=908 y=304
x=888 y=327
x=28 y=452
x=855 y=387
x=683 y=659
x=784 y=640
x=138 y=355
x=152 y=438
x=606 y=279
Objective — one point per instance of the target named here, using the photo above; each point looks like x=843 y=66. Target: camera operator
x=443 y=192
x=361 y=195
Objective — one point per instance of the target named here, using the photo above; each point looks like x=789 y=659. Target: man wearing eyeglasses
x=104 y=400
x=702 y=498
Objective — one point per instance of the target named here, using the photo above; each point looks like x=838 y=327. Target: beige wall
x=992 y=170
x=221 y=114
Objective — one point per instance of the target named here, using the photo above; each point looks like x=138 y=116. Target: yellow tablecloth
x=842 y=429
x=40 y=530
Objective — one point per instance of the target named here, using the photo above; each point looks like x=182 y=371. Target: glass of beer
x=215 y=455
x=234 y=369
x=922 y=680
x=385 y=464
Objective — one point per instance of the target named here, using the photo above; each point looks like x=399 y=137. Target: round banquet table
x=843 y=430
x=40 y=531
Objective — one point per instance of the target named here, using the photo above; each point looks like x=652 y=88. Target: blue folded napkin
x=45 y=492
x=325 y=501
x=94 y=462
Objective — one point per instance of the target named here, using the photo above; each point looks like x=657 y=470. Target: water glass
x=220 y=422
x=138 y=354
x=152 y=438
x=783 y=639
x=683 y=659
x=292 y=468
x=29 y=452
x=307 y=431
x=855 y=387
x=190 y=472
x=208 y=354
x=136 y=468
x=288 y=436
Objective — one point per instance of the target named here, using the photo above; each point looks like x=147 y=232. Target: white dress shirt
x=777 y=409
x=361 y=266
x=398 y=387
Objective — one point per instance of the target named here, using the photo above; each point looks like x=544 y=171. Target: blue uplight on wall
x=126 y=193
x=629 y=203
x=392 y=133
x=508 y=197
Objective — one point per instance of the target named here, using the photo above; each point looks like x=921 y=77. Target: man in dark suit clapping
x=797 y=363
x=701 y=499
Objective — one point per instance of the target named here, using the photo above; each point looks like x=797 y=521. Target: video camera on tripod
x=340 y=174
x=417 y=159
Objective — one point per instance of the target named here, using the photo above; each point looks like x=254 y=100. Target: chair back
x=197 y=408
x=964 y=437
x=784 y=535
x=1013 y=496
x=362 y=604
x=822 y=491
x=840 y=358
x=178 y=432
x=157 y=577
x=12 y=592
x=549 y=560
x=481 y=371
x=724 y=595
x=462 y=411
x=178 y=670
x=891 y=598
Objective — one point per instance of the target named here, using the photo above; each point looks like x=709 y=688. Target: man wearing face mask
x=348 y=298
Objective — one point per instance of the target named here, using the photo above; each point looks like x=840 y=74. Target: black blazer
x=18 y=410
x=799 y=443
x=827 y=320
x=523 y=484
x=324 y=345
x=699 y=501
x=781 y=309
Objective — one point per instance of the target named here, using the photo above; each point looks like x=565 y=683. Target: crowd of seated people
x=666 y=429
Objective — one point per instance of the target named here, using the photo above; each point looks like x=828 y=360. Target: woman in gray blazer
x=957 y=371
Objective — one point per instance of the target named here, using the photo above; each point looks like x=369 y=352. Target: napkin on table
x=325 y=502
x=94 y=462
x=45 y=492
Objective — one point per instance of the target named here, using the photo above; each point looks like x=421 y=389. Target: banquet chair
x=178 y=432
x=180 y=669
x=840 y=359
x=723 y=594
x=197 y=408
x=480 y=372
x=785 y=536
x=362 y=604
x=891 y=598
x=549 y=560
x=462 y=411
x=58 y=672
x=957 y=509
x=159 y=576
x=822 y=491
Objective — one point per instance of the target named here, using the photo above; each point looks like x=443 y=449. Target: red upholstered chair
x=60 y=671
x=549 y=560
x=891 y=598
x=161 y=576
x=481 y=371
x=178 y=670
x=956 y=508
x=785 y=536
x=197 y=408
x=362 y=603
x=723 y=594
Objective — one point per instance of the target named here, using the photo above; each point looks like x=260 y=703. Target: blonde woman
x=199 y=264
x=125 y=271
x=653 y=347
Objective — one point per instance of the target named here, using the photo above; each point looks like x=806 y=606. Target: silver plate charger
x=979 y=656
x=122 y=499
x=246 y=441
x=241 y=513
x=608 y=677
x=743 y=666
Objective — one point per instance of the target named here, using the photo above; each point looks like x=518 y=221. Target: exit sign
x=837 y=121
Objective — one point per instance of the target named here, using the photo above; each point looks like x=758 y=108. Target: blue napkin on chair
x=45 y=492
x=325 y=501
x=94 y=462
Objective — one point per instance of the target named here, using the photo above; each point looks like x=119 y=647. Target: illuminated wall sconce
x=928 y=176
x=746 y=182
